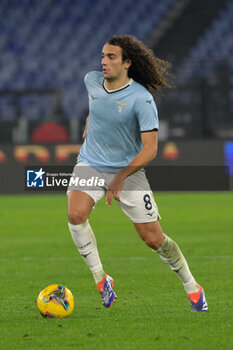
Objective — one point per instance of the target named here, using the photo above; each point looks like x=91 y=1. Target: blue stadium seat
x=216 y=43
x=53 y=44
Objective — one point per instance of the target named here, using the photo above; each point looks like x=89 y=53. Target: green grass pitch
x=152 y=310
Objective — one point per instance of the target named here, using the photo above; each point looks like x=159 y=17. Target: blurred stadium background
x=47 y=47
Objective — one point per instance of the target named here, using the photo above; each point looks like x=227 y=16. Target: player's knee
x=153 y=238
x=152 y=241
x=151 y=234
x=77 y=216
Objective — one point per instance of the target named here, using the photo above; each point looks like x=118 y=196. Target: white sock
x=171 y=254
x=85 y=241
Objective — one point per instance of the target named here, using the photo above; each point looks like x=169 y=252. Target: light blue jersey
x=116 y=120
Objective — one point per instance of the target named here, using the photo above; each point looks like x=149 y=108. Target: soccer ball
x=55 y=301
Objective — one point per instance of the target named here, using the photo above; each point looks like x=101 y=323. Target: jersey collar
x=116 y=90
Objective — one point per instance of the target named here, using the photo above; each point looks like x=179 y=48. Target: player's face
x=113 y=67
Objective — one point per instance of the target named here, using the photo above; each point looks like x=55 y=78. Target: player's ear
x=127 y=63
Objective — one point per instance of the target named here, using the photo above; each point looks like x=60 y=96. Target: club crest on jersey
x=120 y=105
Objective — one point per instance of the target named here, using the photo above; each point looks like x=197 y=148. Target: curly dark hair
x=147 y=69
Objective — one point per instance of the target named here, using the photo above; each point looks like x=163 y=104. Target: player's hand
x=114 y=189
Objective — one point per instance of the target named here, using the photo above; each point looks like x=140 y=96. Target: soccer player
x=120 y=138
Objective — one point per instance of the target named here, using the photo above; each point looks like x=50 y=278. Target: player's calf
x=85 y=241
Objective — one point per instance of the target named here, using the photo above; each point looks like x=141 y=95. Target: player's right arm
x=85 y=130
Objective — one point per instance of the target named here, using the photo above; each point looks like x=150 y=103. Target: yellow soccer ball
x=55 y=301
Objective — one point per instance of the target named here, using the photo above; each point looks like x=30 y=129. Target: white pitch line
x=132 y=258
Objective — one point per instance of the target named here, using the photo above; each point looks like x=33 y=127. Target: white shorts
x=136 y=198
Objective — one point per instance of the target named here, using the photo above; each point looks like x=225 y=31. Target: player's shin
x=85 y=241
x=171 y=254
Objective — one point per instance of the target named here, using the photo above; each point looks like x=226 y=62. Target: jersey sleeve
x=147 y=114
x=88 y=80
x=92 y=79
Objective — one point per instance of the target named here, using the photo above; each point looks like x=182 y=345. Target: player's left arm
x=149 y=151
x=85 y=130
